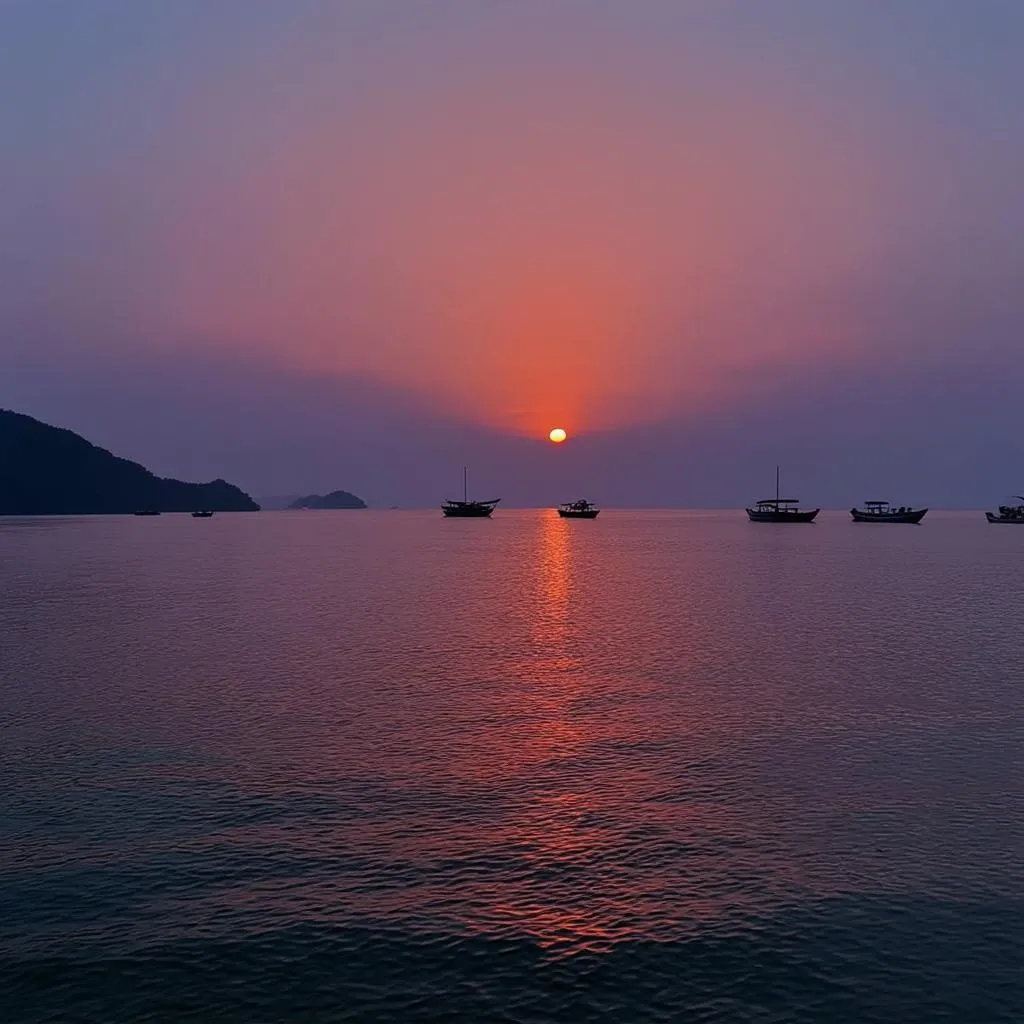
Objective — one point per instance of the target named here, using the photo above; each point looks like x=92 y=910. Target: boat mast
x=776 y=486
x=465 y=489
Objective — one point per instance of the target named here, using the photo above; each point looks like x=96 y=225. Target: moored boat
x=467 y=509
x=581 y=509
x=780 y=510
x=202 y=514
x=883 y=512
x=1008 y=513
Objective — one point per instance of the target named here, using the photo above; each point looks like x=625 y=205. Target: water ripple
x=673 y=768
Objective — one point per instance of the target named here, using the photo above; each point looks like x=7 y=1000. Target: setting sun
x=558 y=435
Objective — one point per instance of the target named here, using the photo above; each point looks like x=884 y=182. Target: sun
x=557 y=436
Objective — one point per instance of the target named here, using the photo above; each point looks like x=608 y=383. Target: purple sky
x=311 y=245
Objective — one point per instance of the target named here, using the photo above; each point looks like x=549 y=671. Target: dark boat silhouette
x=467 y=509
x=1008 y=513
x=202 y=514
x=883 y=512
x=581 y=509
x=780 y=510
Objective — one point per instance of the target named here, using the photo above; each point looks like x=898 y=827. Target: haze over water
x=383 y=766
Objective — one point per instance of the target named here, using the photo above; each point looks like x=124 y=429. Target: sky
x=357 y=244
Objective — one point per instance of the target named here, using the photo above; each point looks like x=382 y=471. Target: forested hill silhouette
x=336 y=499
x=46 y=470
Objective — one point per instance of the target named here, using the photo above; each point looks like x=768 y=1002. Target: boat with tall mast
x=883 y=512
x=1008 y=513
x=466 y=509
x=780 y=510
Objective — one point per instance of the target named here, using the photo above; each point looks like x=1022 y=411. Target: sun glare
x=558 y=435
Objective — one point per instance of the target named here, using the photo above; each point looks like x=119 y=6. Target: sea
x=665 y=766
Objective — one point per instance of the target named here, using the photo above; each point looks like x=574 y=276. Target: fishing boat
x=467 y=509
x=1008 y=513
x=581 y=509
x=202 y=514
x=883 y=512
x=780 y=510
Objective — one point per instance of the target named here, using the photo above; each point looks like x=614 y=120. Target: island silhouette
x=47 y=470
x=336 y=499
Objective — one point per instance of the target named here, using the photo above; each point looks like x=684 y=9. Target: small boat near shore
x=202 y=514
x=467 y=509
x=883 y=512
x=1008 y=513
x=780 y=510
x=581 y=509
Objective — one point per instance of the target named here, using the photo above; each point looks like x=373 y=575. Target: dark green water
x=388 y=767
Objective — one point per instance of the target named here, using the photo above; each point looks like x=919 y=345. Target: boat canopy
x=779 y=501
x=876 y=504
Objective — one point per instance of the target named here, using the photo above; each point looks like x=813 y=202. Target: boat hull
x=570 y=514
x=467 y=513
x=782 y=516
x=992 y=517
x=914 y=515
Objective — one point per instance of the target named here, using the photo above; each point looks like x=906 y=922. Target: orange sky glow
x=307 y=245
x=565 y=247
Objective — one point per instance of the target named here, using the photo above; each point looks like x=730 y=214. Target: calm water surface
x=386 y=767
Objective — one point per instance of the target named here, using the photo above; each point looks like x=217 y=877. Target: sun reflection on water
x=554 y=589
x=538 y=759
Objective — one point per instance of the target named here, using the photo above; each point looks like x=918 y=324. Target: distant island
x=336 y=499
x=48 y=471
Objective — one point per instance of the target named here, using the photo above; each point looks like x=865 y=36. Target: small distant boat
x=146 y=512
x=202 y=514
x=581 y=509
x=883 y=512
x=1008 y=513
x=467 y=509
x=780 y=510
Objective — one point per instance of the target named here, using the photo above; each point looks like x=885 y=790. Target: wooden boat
x=581 y=509
x=883 y=512
x=1008 y=513
x=202 y=514
x=467 y=509
x=780 y=510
